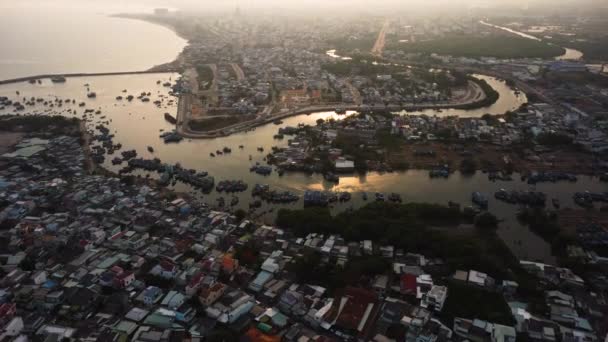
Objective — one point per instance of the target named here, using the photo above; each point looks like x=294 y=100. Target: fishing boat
x=211 y=154
x=170 y=118
x=58 y=79
x=150 y=149
x=92 y=95
x=221 y=202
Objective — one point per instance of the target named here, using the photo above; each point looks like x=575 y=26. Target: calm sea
x=68 y=36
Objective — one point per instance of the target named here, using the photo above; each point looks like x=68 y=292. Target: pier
x=83 y=74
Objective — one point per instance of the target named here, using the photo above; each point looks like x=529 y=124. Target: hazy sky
x=309 y=5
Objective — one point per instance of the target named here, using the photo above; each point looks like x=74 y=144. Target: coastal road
x=380 y=41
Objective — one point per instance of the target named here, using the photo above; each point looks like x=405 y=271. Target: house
x=274 y=262
x=208 y=296
x=39 y=277
x=435 y=298
x=12 y=329
x=165 y=269
x=124 y=279
x=351 y=313
x=229 y=264
x=408 y=284
x=173 y=300
x=343 y=165
x=151 y=295
x=258 y=283
x=480 y=279
x=380 y=284
x=185 y=313
x=7 y=311
x=195 y=284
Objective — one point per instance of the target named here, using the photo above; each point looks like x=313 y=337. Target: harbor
x=137 y=126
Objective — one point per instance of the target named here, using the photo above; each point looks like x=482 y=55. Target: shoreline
x=159 y=68
x=183 y=129
x=141 y=17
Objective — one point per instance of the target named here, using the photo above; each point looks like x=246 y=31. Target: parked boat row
x=439 y=173
x=263 y=191
x=171 y=137
x=169 y=173
x=479 y=199
x=549 y=176
x=531 y=198
x=587 y=199
x=231 y=186
x=261 y=169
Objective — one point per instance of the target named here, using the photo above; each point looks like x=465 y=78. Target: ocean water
x=68 y=36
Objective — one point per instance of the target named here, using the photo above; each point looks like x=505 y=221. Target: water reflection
x=137 y=125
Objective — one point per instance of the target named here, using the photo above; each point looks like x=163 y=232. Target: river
x=77 y=43
x=137 y=125
x=69 y=36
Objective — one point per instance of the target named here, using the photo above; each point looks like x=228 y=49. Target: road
x=240 y=75
x=381 y=41
x=354 y=92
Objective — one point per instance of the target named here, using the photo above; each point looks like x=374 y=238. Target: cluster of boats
x=32 y=101
x=586 y=199
x=107 y=146
x=225 y=150
x=479 y=199
x=221 y=202
x=126 y=155
x=171 y=137
x=231 y=186
x=170 y=174
x=263 y=191
x=530 y=198
x=320 y=198
x=439 y=173
x=261 y=169
x=549 y=176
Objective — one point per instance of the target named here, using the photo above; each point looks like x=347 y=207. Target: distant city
x=399 y=171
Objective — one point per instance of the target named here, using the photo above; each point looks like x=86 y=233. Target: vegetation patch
x=215 y=123
x=205 y=76
x=470 y=302
x=409 y=226
x=35 y=123
x=496 y=46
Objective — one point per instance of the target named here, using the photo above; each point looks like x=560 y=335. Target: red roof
x=355 y=308
x=7 y=308
x=196 y=279
x=124 y=275
x=167 y=266
x=408 y=283
x=117 y=269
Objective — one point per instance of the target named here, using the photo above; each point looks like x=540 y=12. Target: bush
x=486 y=220
x=468 y=166
x=553 y=139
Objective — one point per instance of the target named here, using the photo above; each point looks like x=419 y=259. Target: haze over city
x=320 y=170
